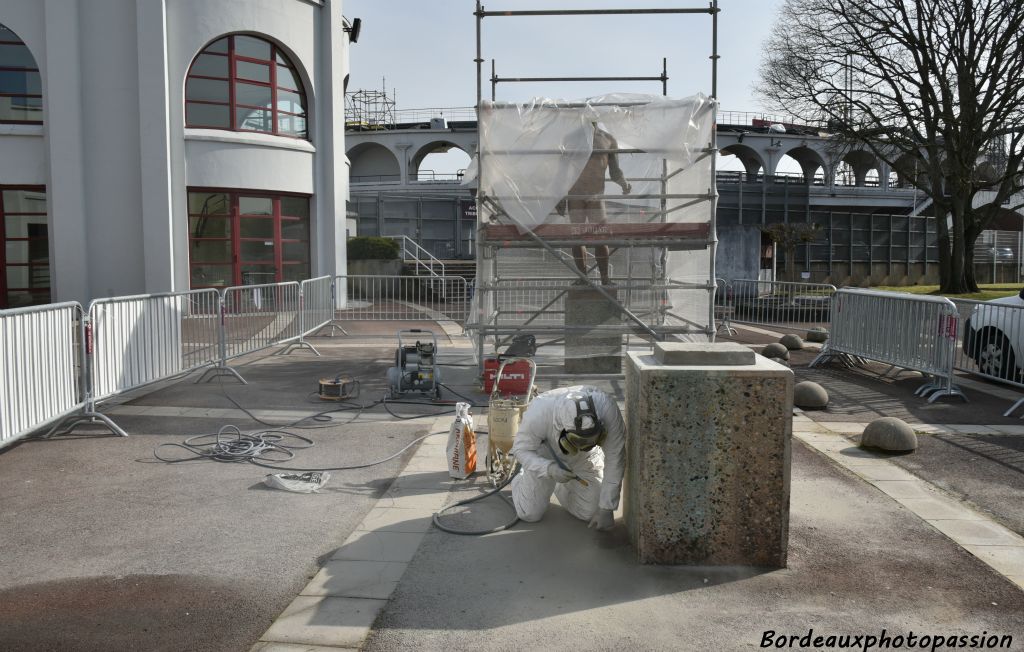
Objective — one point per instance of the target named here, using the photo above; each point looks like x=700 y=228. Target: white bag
x=461 y=448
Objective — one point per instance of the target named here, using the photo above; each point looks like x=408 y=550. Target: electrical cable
x=506 y=526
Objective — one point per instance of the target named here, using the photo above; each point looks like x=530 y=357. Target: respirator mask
x=586 y=430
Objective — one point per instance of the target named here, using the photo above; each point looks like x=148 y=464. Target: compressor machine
x=415 y=367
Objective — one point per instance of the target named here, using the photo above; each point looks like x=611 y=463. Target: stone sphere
x=792 y=342
x=817 y=334
x=775 y=350
x=809 y=396
x=889 y=434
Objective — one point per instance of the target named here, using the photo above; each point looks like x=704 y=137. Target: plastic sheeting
x=532 y=156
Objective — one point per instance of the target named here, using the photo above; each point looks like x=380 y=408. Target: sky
x=422 y=51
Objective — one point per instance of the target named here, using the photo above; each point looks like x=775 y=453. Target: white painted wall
x=113 y=152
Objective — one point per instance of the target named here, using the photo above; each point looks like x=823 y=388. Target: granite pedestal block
x=708 y=459
x=593 y=351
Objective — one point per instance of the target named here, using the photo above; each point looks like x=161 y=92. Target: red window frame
x=235 y=237
x=14 y=40
x=277 y=58
x=40 y=295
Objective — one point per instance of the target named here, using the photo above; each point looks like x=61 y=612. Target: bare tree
x=934 y=87
x=789 y=235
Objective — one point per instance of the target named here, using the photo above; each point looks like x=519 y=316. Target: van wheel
x=994 y=355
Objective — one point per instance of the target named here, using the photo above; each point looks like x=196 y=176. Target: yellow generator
x=504 y=414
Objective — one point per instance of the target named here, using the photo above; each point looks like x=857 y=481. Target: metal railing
x=403 y=298
x=795 y=306
x=256 y=317
x=141 y=339
x=908 y=331
x=40 y=359
x=990 y=342
x=723 y=307
x=412 y=252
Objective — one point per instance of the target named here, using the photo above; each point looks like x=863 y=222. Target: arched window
x=21 y=87
x=245 y=83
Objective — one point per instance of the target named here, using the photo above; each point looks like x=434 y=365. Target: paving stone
x=264 y=646
x=325 y=621
x=363 y=545
x=393 y=519
x=882 y=471
x=903 y=488
x=938 y=508
x=977 y=533
x=356 y=579
x=1008 y=560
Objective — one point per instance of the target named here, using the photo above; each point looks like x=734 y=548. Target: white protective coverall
x=602 y=466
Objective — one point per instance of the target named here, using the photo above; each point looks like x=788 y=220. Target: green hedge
x=372 y=248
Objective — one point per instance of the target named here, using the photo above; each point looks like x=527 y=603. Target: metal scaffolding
x=526 y=280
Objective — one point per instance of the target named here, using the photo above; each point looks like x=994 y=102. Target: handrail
x=427 y=264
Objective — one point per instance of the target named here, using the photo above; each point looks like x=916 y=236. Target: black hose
x=510 y=524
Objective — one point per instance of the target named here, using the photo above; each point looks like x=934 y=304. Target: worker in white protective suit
x=572 y=443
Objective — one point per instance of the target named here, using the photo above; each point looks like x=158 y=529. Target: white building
x=161 y=145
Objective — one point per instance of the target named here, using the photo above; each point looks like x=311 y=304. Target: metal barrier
x=256 y=317
x=990 y=342
x=316 y=310
x=723 y=307
x=796 y=306
x=40 y=358
x=403 y=298
x=142 y=339
x=904 y=330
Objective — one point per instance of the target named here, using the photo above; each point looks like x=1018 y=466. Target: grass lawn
x=988 y=292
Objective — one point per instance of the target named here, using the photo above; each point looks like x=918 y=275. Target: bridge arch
x=810 y=161
x=438 y=160
x=373 y=163
x=750 y=158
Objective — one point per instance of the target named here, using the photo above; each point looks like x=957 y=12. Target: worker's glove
x=558 y=474
x=626 y=187
x=603 y=519
x=560 y=207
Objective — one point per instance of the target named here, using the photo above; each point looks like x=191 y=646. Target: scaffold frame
x=643 y=317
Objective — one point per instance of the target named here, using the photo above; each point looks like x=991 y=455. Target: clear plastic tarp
x=621 y=184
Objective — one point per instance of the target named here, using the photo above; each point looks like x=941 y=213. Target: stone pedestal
x=592 y=352
x=708 y=450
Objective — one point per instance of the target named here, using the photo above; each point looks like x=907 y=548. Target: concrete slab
x=356 y=579
x=339 y=622
x=1008 y=560
x=292 y=647
x=937 y=508
x=365 y=545
x=977 y=533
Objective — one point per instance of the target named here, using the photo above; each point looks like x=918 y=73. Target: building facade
x=160 y=145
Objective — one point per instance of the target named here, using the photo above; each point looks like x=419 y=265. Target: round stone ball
x=792 y=342
x=889 y=434
x=817 y=334
x=775 y=350
x=809 y=396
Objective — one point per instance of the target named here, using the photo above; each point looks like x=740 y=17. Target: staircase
x=448 y=287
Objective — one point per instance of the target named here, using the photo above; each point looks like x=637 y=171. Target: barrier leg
x=334 y=329
x=1014 y=407
x=298 y=344
x=220 y=370
x=68 y=423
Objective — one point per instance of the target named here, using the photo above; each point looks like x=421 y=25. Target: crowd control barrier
x=795 y=306
x=402 y=298
x=40 y=357
x=257 y=317
x=909 y=331
x=723 y=307
x=991 y=342
x=316 y=310
x=142 y=339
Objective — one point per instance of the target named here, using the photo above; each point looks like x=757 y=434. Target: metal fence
x=780 y=304
x=904 y=330
x=256 y=317
x=990 y=342
x=141 y=339
x=39 y=365
x=403 y=298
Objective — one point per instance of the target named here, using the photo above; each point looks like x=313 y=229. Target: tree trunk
x=970 y=282
x=945 y=258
